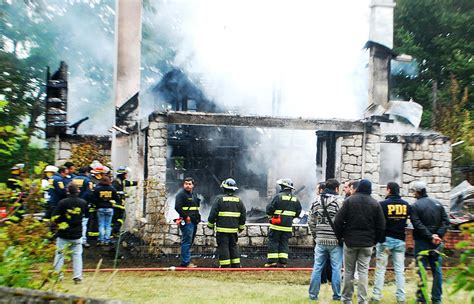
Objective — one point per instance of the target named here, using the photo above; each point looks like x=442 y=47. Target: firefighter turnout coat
x=227 y=214
x=282 y=210
x=286 y=206
x=227 y=217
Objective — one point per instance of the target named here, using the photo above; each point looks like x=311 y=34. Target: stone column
x=156 y=229
x=359 y=162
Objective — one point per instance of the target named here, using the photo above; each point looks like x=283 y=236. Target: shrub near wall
x=24 y=241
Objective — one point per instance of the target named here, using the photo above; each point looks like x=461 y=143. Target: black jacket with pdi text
x=396 y=212
x=104 y=196
x=68 y=216
x=360 y=221
x=428 y=217
x=188 y=204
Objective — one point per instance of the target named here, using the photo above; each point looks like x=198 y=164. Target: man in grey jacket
x=361 y=223
x=327 y=247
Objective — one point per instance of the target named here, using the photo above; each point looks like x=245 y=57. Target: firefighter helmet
x=285 y=183
x=16 y=169
x=229 y=184
x=98 y=169
x=122 y=170
x=50 y=168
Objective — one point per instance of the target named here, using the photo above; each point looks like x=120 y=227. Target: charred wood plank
x=249 y=121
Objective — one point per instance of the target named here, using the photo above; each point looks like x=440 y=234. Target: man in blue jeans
x=104 y=198
x=68 y=218
x=187 y=205
x=327 y=247
x=396 y=212
x=430 y=223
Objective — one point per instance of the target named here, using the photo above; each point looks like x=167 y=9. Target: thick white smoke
x=307 y=55
x=308 y=52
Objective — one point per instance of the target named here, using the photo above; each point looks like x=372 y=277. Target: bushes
x=24 y=243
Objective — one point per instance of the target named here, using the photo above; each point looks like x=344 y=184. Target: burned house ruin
x=188 y=135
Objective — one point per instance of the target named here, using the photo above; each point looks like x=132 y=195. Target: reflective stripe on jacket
x=287 y=206
x=228 y=214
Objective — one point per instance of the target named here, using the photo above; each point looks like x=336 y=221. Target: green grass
x=209 y=287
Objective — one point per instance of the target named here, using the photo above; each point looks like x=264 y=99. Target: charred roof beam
x=248 y=121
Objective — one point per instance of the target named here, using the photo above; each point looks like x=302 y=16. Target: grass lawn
x=209 y=287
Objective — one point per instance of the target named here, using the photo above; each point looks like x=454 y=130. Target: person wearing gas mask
x=430 y=223
x=227 y=218
x=284 y=207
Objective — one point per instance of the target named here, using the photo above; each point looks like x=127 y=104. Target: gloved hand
x=240 y=230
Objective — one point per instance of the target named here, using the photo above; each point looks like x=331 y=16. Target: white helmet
x=50 y=168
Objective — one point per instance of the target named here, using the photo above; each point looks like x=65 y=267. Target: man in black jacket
x=360 y=222
x=187 y=205
x=430 y=223
x=68 y=218
x=227 y=217
x=85 y=185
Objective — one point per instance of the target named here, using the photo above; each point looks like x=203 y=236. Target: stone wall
x=357 y=162
x=156 y=230
x=253 y=235
x=426 y=157
x=64 y=143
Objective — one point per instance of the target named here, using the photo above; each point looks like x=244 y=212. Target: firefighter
x=121 y=183
x=282 y=210
x=48 y=172
x=15 y=184
x=97 y=172
x=14 y=181
x=227 y=217
x=86 y=186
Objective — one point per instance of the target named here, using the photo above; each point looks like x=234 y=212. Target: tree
x=439 y=34
x=36 y=34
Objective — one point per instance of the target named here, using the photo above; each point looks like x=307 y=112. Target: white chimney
x=380 y=44
x=381 y=22
x=128 y=36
